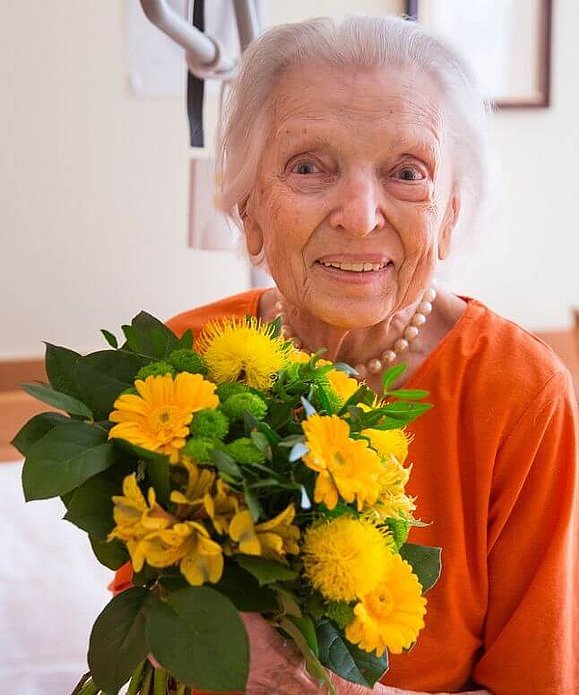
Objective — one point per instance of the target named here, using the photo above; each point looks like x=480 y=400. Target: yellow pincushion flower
x=272 y=539
x=345 y=558
x=346 y=467
x=389 y=442
x=392 y=614
x=242 y=351
x=158 y=417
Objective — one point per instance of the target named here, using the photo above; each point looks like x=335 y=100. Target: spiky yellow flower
x=346 y=467
x=389 y=442
x=272 y=539
x=243 y=351
x=392 y=614
x=345 y=558
x=158 y=417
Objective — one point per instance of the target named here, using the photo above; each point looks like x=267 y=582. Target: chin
x=349 y=316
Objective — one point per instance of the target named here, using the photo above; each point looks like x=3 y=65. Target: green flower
x=199 y=449
x=209 y=424
x=188 y=361
x=235 y=406
x=399 y=528
x=155 y=369
x=243 y=450
x=226 y=390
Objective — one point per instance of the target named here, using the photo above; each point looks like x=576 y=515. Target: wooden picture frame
x=506 y=42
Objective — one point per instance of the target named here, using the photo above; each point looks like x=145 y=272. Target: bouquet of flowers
x=234 y=473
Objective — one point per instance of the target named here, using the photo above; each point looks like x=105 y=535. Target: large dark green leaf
x=103 y=375
x=91 y=505
x=111 y=554
x=148 y=336
x=266 y=571
x=59 y=400
x=158 y=477
x=60 y=365
x=346 y=659
x=36 y=428
x=64 y=458
x=426 y=563
x=117 y=641
x=244 y=591
x=198 y=636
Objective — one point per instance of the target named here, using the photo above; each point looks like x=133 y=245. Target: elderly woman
x=351 y=154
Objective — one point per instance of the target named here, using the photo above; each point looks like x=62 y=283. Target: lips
x=367 y=264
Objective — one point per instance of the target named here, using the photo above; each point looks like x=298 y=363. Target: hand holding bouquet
x=236 y=474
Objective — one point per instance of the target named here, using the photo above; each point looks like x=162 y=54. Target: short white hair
x=355 y=42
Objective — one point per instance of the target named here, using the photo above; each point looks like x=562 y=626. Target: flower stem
x=136 y=678
x=160 y=682
x=89 y=688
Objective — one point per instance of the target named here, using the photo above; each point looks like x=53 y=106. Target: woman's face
x=354 y=199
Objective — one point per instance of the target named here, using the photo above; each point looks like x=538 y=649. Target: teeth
x=355 y=267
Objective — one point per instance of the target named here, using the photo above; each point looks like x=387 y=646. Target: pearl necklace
x=376 y=364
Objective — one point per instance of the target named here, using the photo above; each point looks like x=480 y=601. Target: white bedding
x=51 y=590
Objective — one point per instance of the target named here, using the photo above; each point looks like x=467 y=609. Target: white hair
x=358 y=42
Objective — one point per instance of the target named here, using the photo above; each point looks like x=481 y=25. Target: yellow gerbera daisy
x=158 y=417
x=242 y=351
x=345 y=558
x=391 y=615
x=272 y=539
x=347 y=467
x=389 y=442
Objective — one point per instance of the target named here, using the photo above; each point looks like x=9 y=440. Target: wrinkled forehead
x=307 y=95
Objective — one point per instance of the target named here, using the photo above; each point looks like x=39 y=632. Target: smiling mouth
x=356 y=267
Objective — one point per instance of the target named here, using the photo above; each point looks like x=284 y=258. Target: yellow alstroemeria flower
x=272 y=539
x=199 y=483
x=346 y=467
x=221 y=507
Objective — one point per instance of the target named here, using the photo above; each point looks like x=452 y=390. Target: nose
x=358 y=210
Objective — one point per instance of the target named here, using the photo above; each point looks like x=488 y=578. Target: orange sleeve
x=531 y=634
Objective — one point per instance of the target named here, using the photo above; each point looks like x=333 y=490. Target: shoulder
x=237 y=305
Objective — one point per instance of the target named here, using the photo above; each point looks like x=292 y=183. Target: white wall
x=94 y=185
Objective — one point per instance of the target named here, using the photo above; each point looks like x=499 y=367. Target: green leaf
x=302 y=631
x=138 y=451
x=64 y=458
x=409 y=394
x=148 y=336
x=60 y=363
x=91 y=505
x=117 y=641
x=252 y=502
x=157 y=471
x=198 y=636
x=110 y=338
x=306 y=627
x=185 y=342
x=35 y=429
x=59 y=400
x=346 y=659
x=426 y=563
x=391 y=374
x=266 y=571
x=111 y=554
x=225 y=464
x=243 y=590
x=103 y=375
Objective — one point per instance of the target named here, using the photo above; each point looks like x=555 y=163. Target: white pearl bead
x=401 y=345
x=374 y=366
x=424 y=308
x=279 y=306
x=430 y=295
x=389 y=356
x=418 y=319
x=362 y=371
x=410 y=333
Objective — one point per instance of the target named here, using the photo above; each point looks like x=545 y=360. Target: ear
x=448 y=225
x=251 y=229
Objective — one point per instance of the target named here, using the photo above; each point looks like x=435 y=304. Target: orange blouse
x=495 y=472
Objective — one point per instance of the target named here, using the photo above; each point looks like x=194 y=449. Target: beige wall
x=94 y=184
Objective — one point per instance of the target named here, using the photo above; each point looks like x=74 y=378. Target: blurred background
x=103 y=212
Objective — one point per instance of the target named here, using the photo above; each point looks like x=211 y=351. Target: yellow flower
x=390 y=616
x=242 y=351
x=221 y=507
x=158 y=417
x=272 y=539
x=346 y=467
x=199 y=482
x=200 y=558
x=389 y=442
x=392 y=501
x=345 y=558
